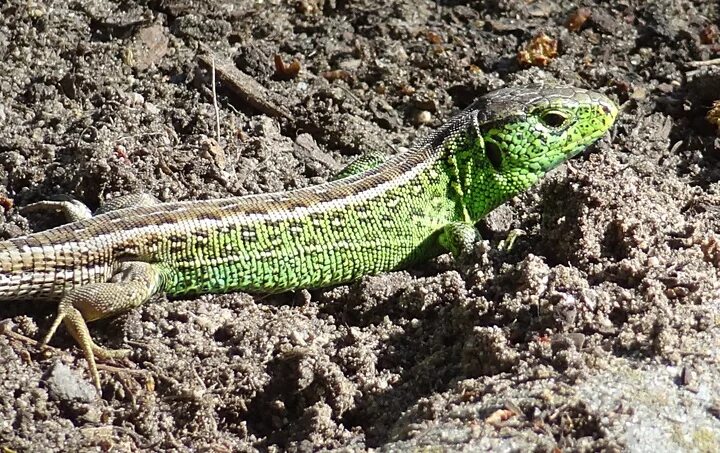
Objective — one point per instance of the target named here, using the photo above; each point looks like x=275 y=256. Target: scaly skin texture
x=412 y=207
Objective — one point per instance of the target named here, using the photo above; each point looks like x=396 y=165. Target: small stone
x=66 y=386
x=423 y=117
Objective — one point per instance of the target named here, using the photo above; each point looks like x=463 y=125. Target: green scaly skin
x=416 y=205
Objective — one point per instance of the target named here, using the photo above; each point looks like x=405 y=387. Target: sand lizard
x=378 y=217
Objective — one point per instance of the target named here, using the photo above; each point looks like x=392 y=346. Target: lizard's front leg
x=459 y=238
x=133 y=284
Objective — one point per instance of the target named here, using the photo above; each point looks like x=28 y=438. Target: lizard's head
x=528 y=131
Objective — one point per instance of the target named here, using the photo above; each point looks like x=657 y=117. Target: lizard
x=378 y=216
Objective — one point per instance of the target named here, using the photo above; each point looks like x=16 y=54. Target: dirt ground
x=598 y=330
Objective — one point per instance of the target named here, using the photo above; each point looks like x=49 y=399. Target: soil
x=599 y=329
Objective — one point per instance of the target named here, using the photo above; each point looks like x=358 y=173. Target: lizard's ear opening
x=494 y=154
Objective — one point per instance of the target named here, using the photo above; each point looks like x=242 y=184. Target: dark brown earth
x=598 y=330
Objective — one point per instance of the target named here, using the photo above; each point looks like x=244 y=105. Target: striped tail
x=33 y=266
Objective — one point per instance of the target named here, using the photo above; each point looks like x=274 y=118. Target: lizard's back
x=315 y=236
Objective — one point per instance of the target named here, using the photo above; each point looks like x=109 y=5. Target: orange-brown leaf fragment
x=286 y=71
x=6 y=202
x=539 y=51
x=709 y=34
x=434 y=37
x=577 y=19
x=713 y=116
x=710 y=247
x=499 y=416
x=337 y=74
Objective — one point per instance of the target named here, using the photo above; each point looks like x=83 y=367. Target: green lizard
x=380 y=216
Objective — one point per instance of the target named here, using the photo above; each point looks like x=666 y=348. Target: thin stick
x=217 y=111
x=245 y=87
x=697 y=64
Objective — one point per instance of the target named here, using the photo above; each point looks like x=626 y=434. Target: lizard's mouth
x=562 y=158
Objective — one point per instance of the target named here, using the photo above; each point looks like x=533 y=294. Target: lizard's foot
x=132 y=285
x=508 y=243
x=460 y=239
x=73 y=210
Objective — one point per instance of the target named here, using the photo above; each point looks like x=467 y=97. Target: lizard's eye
x=494 y=155
x=553 y=118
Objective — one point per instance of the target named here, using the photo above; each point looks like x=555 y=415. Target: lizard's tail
x=31 y=266
x=18 y=276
